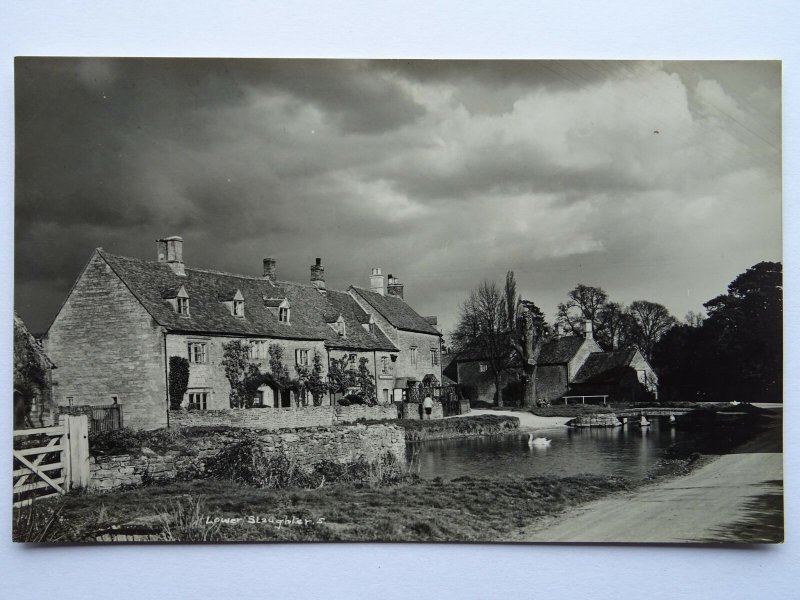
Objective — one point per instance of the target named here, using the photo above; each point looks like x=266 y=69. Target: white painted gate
x=49 y=461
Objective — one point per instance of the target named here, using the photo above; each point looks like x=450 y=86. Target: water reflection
x=629 y=451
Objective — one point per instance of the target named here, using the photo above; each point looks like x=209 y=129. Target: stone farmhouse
x=569 y=366
x=125 y=317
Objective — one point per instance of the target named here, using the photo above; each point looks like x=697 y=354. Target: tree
x=748 y=324
x=483 y=331
x=366 y=382
x=737 y=351
x=276 y=366
x=242 y=374
x=586 y=303
x=178 y=380
x=649 y=321
x=311 y=379
x=341 y=375
x=613 y=327
x=527 y=332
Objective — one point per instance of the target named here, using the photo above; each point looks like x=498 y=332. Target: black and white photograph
x=397 y=300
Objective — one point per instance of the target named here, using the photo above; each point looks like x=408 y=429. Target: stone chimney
x=376 y=281
x=588 y=330
x=557 y=331
x=170 y=251
x=394 y=288
x=318 y=275
x=269 y=269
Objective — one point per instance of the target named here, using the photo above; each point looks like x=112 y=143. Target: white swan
x=538 y=442
x=644 y=422
x=672 y=419
x=735 y=403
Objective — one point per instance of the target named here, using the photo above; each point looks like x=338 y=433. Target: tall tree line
x=736 y=353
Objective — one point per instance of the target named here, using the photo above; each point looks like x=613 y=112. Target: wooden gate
x=49 y=461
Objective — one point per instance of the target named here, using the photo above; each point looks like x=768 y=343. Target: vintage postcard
x=397 y=300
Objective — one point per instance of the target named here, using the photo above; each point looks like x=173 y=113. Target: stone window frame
x=301 y=357
x=385 y=365
x=182 y=305
x=198 y=344
x=413 y=350
x=483 y=367
x=202 y=394
x=238 y=308
x=259 y=349
x=434 y=357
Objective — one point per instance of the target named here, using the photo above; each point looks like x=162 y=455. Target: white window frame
x=284 y=314
x=182 y=305
x=385 y=362
x=193 y=355
x=238 y=308
x=413 y=350
x=434 y=357
x=483 y=367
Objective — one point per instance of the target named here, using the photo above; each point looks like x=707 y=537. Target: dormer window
x=339 y=326
x=369 y=326
x=234 y=301
x=178 y=299
x=280 y=308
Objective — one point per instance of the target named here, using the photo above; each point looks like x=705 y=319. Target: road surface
x=737 y=497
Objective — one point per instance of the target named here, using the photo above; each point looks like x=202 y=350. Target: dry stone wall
x=305 y=447
x=281 y=418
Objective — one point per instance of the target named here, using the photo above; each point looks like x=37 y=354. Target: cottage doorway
x=265 y=397
x=285 y=398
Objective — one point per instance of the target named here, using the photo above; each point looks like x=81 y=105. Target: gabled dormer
x=234 y=302
x=369 y=325
x=280 y=308
x=178 y=299
x=339 y=326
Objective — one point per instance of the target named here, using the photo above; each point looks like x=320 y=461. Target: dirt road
x=735 y=498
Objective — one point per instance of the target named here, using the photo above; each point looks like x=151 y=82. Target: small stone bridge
x=655 y=411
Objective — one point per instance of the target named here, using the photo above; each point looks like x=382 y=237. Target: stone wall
x=305 y=447
x=352 y=413
x=413 y=411
x=280 y=418
x=106 y=345
x=255 y=418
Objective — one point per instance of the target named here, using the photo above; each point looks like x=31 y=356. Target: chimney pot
x=376 y=281
x=318 y=275
x=269 y=269
x=588 y=329
x=395 y=288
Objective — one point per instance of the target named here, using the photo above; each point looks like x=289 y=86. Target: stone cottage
x=125 y=317
x=571 y=365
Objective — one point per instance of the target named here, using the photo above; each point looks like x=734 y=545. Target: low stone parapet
x=414 y=411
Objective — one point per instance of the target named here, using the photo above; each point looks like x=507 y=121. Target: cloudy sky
x=657 y=181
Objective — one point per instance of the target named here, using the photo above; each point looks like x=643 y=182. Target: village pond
x=622 y=451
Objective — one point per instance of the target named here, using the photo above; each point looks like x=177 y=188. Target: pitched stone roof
x=207 y=314
x=396 y=311
x=554 y=352
x=560 y=351
x=604 y=367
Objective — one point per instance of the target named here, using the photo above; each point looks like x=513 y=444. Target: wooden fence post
x=77 y=430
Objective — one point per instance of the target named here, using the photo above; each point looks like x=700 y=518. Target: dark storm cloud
x=443 y=172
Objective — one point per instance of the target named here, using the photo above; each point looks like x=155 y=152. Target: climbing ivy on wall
x=178 y=380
